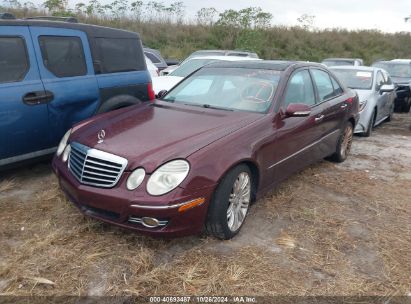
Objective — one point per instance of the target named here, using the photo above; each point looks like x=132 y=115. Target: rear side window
x=14 y=63
x=152 y=57
x=120 y=55
x=300 y=89
x=324 y=85
x=63 y=56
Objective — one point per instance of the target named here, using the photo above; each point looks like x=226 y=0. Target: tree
x=247 y=18
x=137 y=9
x=206 y=15
x=306 y=21
x=55 y=5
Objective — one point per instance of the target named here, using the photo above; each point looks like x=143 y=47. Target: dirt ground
x=333 y=229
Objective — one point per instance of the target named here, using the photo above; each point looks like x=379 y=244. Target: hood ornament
x=101 y=135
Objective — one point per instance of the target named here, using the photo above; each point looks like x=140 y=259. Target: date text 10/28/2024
x=202 y=299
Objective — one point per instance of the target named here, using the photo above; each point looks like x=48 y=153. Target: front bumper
x=118 y=206
x=363 y=120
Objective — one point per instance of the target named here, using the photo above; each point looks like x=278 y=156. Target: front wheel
x=371 y=124
x=344 y=144
x=230 y=203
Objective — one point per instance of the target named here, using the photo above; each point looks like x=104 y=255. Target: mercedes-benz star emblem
x=101 y=134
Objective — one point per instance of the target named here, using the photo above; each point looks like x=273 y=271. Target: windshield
x=355 y=79
x=231 y=89
x=190 y=66
x=401 y=70
x=337 y=62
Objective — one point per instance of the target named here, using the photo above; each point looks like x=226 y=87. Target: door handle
x=319 y=118
x=38 y=97
x=343 y=106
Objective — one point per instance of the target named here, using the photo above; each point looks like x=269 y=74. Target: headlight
x=362 y=105
x=168 y=177
x=66 y=153
x=135 y=179
x=63 y=143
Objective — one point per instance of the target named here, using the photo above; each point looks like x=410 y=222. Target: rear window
x=120 y=55
x=355 y=79
x=153 y=58
x=13 y=59
x=63 y=56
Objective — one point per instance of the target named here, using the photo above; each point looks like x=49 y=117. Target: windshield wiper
x=207 y=106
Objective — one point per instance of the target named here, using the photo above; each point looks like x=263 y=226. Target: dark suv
x=400 y=72
x=54 y=74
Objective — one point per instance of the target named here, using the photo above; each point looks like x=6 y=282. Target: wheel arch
x=255 y=171
x=117 y=102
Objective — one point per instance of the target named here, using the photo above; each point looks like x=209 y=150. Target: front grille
x=94 y=167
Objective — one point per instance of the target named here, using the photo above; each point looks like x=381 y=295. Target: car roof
x=90 y=30
x=278 y=65
x=339 y=58
x=226 y=51
x=353 y=67
x=225 y=58
x=396 y=62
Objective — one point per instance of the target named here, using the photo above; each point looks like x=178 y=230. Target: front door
x=23 y=102
x=296 y=137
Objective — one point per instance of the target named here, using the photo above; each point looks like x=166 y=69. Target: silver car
x=376 y=92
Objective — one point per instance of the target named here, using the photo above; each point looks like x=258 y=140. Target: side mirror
x=297 y=110
x=161 y=94
x=387 y=88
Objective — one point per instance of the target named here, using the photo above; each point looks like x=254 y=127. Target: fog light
x=150 y=222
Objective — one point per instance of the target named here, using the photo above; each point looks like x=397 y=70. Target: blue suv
x=55 y=74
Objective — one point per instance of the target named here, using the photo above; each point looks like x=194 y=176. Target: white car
x=152 y=69
x=188 y=67
x=375 y=90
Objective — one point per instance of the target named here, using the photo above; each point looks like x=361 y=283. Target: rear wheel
x=407 y=105
x=230 y=203
x=344 y=144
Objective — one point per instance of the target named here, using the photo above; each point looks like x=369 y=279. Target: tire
x=406 y=106
x=118 y=102
x=371 y=124
x=221 y=222
x=344 y=143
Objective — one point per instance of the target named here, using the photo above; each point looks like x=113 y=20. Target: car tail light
x=151 y=94
x=349 y=100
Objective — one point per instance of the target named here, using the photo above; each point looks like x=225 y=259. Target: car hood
x=149 y=135
x=363 y=95
x=165 y=82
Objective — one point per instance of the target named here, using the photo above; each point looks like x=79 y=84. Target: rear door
x=24 y=124
x=66 y=69
x=391 y=95
x=335 y=108
x=122 y=68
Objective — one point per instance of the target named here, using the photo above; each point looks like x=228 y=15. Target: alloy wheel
x=239 y=201
x=347 y=141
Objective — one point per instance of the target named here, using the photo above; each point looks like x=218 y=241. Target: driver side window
x=300 y=89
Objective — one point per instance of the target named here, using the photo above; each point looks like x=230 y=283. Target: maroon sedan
x=197 y=158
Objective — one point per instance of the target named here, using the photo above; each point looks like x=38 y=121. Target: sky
x=383 y=15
